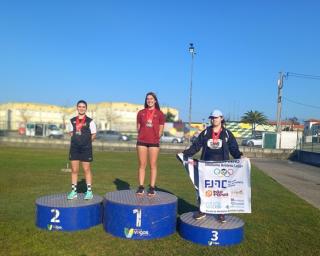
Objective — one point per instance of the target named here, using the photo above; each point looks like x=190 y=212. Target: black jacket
x=83 y=140
x=229 y=145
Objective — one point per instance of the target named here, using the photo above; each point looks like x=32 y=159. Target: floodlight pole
x=192 y=51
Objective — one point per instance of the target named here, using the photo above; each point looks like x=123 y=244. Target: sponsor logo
x=223 y=172
x=237 y=202
x=238 y=192
x=129 y=232
x=219 y=193
x=215 y=183
x=213 y=205
x=216 y=193
x=232 y=183
x=210 y=243
x=53 y=227
x=208 y=193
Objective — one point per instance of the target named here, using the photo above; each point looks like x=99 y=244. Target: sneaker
x=151 y=191
x=72 y=195
x=221 y=218
x=88 y=195
x=140 y=190
x=199 y=215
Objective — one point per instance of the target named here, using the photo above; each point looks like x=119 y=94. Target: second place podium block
x=55 y=212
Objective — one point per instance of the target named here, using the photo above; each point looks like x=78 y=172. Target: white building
x=119 y=116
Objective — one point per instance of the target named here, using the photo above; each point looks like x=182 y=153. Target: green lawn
x=281 y=223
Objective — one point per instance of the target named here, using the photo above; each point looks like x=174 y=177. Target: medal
x=214 y=145
x=215 y=142
x=149 y=118
x=149 y=123
x=79 y=124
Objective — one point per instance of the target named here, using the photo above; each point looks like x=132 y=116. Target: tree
x=254 y=118
x=170 y=117
x=293 y=121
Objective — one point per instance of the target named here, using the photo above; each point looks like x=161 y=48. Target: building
x=312 y=130
x=119 y=116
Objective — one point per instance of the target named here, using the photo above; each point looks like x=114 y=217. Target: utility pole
x=279 y=105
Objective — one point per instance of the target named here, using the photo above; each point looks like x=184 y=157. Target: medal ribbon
x=214 y=136
x=80 y=123
x=150 y=115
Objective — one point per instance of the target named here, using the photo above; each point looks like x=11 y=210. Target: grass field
x=281 y=223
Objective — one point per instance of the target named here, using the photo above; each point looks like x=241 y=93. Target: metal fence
x=313 y=146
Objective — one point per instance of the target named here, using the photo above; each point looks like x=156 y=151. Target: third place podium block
x=130 y=216
x=209 y=231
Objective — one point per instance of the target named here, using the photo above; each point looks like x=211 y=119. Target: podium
x=56 y=212
x=209 y=231
x=132 y=216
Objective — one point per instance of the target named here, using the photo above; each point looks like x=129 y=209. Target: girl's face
x=216 y=121
x=81 y=107
x=150 y=101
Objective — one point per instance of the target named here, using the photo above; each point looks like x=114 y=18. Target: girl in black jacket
x=216 y=143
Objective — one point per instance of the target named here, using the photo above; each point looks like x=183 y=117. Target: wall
x=308 y=157
x=250 y=152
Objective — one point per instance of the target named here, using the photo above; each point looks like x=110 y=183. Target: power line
x=299 y=75
x=302 y=104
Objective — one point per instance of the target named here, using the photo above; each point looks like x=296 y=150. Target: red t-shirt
x=147 y=134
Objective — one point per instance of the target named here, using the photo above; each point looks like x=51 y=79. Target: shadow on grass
x=121 y=184
x=183 y=205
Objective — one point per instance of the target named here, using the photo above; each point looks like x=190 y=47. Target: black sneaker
x=140 y=190
x=221 y=218
x=199 y=215
x=151 y=191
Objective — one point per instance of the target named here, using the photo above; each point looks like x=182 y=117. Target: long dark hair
x=157 y=106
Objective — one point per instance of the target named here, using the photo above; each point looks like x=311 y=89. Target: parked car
x=109 y=135
x=167 y=137
x=253 y=141
x=44 y=130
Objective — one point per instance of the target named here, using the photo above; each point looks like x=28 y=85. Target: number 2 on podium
x=56 y=213
x=138 y=218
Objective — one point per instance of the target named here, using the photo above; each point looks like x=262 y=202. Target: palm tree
x=254 y=118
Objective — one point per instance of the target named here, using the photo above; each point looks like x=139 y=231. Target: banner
x=224 y=187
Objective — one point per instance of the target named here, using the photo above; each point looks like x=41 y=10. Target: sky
x=58 y=51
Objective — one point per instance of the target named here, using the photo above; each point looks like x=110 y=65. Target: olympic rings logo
x=223 y=172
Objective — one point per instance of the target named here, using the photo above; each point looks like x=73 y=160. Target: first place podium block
x=209 y=231
x=56 y=212
x=130 y=216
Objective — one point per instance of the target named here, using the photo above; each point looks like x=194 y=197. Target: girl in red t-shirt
x=150 y=124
